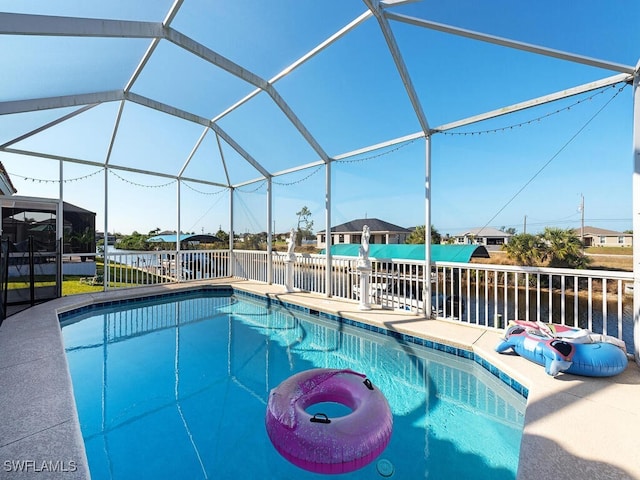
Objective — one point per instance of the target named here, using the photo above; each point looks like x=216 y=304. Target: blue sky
x=535 y=164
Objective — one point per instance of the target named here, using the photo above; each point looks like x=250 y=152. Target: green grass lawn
x=610 y=250
x=72 y=284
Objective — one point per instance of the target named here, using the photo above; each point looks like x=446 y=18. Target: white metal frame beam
x=283 y=73
x=536 y=102
x=636 y=214
x=374 y=6
x=233 y=68
x=173 y=11
x=427 y=289
x=243 y=153
x=92 y=99
x=378 y=146
x=193 y=151
x=47 y=103
x=55 y=26
x=223 y=160
x=395 y=3
x=114 y=133
x=48 y=125
x=79 y=161
x=164 y=108
x=309 y=55
x=23 y=24
x=505 y=42
x=47 y=25
x=75 y=100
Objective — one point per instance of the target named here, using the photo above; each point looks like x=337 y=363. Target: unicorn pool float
x=565 y=349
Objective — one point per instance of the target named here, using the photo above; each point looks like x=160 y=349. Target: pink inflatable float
x=328 y=445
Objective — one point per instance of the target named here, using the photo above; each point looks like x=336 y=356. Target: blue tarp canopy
x=439 y=253
x=184 y=237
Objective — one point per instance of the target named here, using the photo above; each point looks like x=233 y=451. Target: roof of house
x=4 y=176
x=70 y=207
x=483 y=232
x=599 y=231
x=439 y=253
x=374 y=224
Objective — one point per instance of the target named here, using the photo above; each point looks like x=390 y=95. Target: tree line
x=554 y=247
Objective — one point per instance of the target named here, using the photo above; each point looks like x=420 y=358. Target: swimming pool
x=176 y=387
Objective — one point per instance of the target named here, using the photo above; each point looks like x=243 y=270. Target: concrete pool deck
x=574 y=426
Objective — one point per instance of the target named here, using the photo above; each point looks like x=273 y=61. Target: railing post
x=289 y=262
x=636 y=214
x=364 y=272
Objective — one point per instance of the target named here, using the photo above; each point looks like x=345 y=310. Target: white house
x=486 y=236
x=599 y=237
x=351 y=232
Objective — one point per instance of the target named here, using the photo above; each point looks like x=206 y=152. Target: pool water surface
x=176 y=388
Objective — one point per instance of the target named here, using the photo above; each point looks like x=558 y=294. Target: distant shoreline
x=609 y=260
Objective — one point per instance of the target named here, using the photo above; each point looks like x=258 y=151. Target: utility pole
x=582 y=218
x=524 y=230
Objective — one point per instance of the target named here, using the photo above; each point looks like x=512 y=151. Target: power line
x=556 y=155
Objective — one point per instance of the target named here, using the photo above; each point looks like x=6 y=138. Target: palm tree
x=526 y=249
x=419 y=235
x=564 y=248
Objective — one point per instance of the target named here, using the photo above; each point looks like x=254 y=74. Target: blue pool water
x=176 y=388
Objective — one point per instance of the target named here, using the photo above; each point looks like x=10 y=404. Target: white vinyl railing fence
x=479 y=294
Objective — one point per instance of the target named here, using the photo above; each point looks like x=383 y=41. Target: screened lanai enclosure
x=204 y=116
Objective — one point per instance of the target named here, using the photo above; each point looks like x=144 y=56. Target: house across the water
x=492 y=238
x=351 y=232
x=599 y=237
